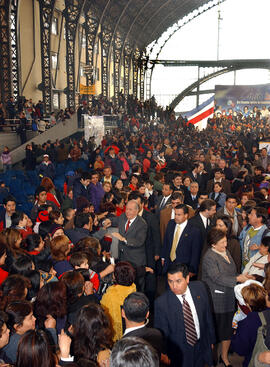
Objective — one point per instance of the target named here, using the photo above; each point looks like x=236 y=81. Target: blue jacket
x=189 y=246
x=169 y=319
x=79 y=190
x=46 y=170
x=96 y=194
x=254 y=240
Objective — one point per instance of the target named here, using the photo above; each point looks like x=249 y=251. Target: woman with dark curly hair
x=14 y=288
x=92 y=335
x=52 y=299
x=113 y=299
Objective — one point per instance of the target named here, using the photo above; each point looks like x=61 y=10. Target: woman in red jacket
x=3 y=255
x=52 y=194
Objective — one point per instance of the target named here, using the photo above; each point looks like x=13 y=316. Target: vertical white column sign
x=94 y=126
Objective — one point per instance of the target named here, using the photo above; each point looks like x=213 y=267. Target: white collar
x=128 y=330
x=204 y=219
x=257 y=229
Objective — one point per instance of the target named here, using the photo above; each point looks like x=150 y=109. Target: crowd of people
x=156 y=254
x=26 y=115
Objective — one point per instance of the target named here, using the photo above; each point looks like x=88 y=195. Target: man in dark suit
x=192 y=195
x=198 y=174
x=167 y=213
x=165 y=199
x=80 y=186
x=132 y=235
x=152 y=245
x=227 y=171
x=203 y=220
x=218 y=177
x=183 y=314
x=182 y=242
x=135 y=312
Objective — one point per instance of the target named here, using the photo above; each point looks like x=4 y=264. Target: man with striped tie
x=183 y=314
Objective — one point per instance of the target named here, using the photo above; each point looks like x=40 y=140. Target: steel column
x=106 y=35
x=91 y=29
x=5 y=56
x=72 y=14
x=127 y=53
x=117 y=48
x=15 y=70
x=135 y=60
x=46 y=8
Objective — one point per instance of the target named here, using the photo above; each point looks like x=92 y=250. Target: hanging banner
x=236 y=97
x=200 y=115
x=94 y=127
x=90 y=90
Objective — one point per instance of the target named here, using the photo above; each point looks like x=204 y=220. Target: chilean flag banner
x=199 y=115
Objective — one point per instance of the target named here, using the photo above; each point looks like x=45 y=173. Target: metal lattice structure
x=106 y=35
x=72 y=14
x=15 y=70
x=123 y=29
x=117 y=49
x=135 y=60
x=5 y=55
x=91 y=29
x=46 y=8
x=127 y=64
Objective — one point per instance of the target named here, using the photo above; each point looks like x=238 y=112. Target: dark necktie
x=191 y=334
x=162 y=203
x=127 y=226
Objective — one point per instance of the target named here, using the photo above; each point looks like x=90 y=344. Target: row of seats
x=22 y=185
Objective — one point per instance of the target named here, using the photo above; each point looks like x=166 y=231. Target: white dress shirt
x=204 y=219
x=182 y=227
x=130 y=222
x=189 y=299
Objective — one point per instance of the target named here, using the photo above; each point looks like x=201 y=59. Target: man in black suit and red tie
x=183 y=314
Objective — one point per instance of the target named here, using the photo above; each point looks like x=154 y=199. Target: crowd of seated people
x=84 y=271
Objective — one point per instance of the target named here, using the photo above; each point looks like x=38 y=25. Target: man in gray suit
x=132 y=235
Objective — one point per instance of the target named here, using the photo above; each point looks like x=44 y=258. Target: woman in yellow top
x=113 y=299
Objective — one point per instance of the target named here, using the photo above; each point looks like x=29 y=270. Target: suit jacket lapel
x=183 y=234
x=172 y=233
x=132 y=224
x=201 y=222
x=176 y=308
x=197 y=302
